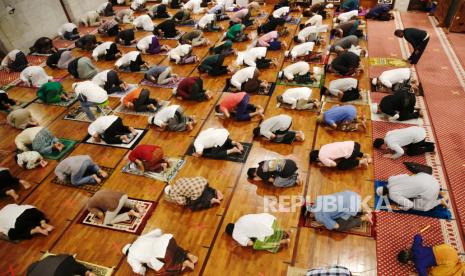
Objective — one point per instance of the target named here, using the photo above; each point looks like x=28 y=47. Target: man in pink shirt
x=237 y=105
x=241 y=16
x=271 y=41
x=342 y=155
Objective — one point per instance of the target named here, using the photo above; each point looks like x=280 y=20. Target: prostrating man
x=159 y=252
x=215 y=143
x=39 y=139
x=193 y=192
x=380 y=12
x=21 y=222
x=399 y=106
x=143 y=22
x=107 y=204
x=34 y=76
x=138 y=5
x=90 y=95
x=10 y=184
x=255 y=57
x=277 y=129
x=125 y=16
x=346 y=64
x=52 y=92
x=111 y=130
x=110 y=81
x=194 y=38
x=260 y=231
x=417 y=192
x=150 y=45
x=236 y=33
x=87 y=42
x=191 y=89
x=43 y=46
x=344 y=43
x=345 y=89
x=160 y=74
x=15 y=61
x=139 y=100
x=417 y=38
x=208 y=23
x=60 y=59
x=413 y=138
x=6 y=103
x=90 y=19
x=182 y=54
x=79 y=170
x=148 y=158
x=109 y=28
x=310 y=33
x=125 y=37
x=172 y=118
x=352 y=27
x=166 y=29
x=106 y=9
x=300 y=51
x=278 y=172
x=21 y=118
x=131 y=61
x=58 y=265
x=342 y=118
x=350 y=5
x=158 y=11
x=340 y=211
x=247 y=79
x=82 y=68
x=346 y=16
x=437 y=260
x=68 y=31
x=183 y=17
x=298 y=72
x=213 y=66
x=390 y=78
x=342 y=155
x=299 y=98
x=237 y=105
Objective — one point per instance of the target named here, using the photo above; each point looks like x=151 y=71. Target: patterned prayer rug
x=8 y=77
x=130 y=145
x=317 y=58
x=87 y=30
x=381 y=203
x=265 y=92
x=133 y=226
x=98 y=270
x=91 y=188
x=36 y=60
x=77 y=114
x=122 y=109
x=240 y=158
x=63 y=43
x=320 y=80
x=365 y=229
x=69 y=145
x=170 y=85
x=392 y=62
x=131 y=87
x=364 y=100
x=70 y=102
x=294 y=21
x=165 y=176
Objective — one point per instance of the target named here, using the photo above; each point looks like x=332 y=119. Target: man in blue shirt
x=380 y=12
x=340 y=211
x=350 y=5
x=342 y=117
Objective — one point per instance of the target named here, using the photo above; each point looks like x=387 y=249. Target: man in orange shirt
x=237 y=105
x=139 y=100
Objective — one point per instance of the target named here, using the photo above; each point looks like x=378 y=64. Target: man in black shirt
x=417 y=38
x=345 y=64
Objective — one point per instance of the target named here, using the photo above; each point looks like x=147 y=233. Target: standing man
x=417 y=38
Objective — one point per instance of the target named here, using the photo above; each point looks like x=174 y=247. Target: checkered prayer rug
x=130 y=145
x=165 y=176
x=77 y=114
x=70 y=102
x=169 y=85
x=91 y=188
x=133 y=226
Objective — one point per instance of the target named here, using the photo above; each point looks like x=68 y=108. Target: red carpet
x=457 y=40
x=7 y=78
x=446 y=101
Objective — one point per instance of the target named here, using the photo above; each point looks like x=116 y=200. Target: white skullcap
x=330 y=6
x=374 y=81
x=167 y=189
x=374 y=108
x=126 y=248
x=379 y=191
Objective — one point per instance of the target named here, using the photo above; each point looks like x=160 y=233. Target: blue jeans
x=86 y=108
x=84 y=175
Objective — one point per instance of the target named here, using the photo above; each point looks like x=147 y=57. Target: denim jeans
x=84 y=175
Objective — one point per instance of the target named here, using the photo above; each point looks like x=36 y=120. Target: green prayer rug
x=71 y=101
x=69 y=145
x=393 y=62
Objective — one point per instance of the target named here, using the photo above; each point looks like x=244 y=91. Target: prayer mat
x=98 y=270
x=70 y=102
x=122 y=109
x=170 y=85
x=130 y=145
x=36 y=60
x=69 y=145
x=289 y=106
x=319 y=58
x=364 y=100
x=121 y=94
x=173 y=38
x=294 y=21
x=165 y=176
x=133 y=226
x=265 y=92
x=365 y=229
x=40 y=55
x=127 y=70
x=320 y=80
x=63 y=43
x=391 y=62
x=188 y=25
x=439 y=211
x=87 y=30
x=77 y=114
x=23 y=84
x=8 y=77
x=234 y=158
x=18 y=106
x=91 y=188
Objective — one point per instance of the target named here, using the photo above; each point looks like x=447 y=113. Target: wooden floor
x=202 y=233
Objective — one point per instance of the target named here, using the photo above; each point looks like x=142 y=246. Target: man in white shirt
x=411 y=137
x=131 y=61
x=419 y=192
x=255 y=57
x=124 y=16
x=260 y=231
x=346 y=16
x=281 y=12
x=300 y=50
x=34 y=76
x=143 y=22
x=182 y=54
x=315 y=20
x=107 y=50
x=150 y=250
x=15 y=61
x=390 y=77
x=299 y=98
x=208 y=23
x=215 y=143
x=172 y=118
x=298 y=72
x=138 y=5
x=310 y=33
x=339 y=87
x=277 y=129
x=194 y=6
x=90 y=95
x=90 y=19
x=246 y=79
x=111 y=130
x=68 y=31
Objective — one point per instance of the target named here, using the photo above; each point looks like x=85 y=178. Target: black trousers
x=263 y=63
x=7 y=182
x=114 y=131
x=113 y=83
x=348 y=224
x=111 y=52
x=20 y=62
x=418 y=51
x=4 y=100
x=140 y=105
x=27 y=221
x=203 y=201
x=218 y=68
x=219 y=152
x=352 y=161
x=113 y=31
x=420 y=148
x=134 y=66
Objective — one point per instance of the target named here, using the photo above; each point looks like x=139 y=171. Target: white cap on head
x=157 y=232
x=74 y=85
x=379 y=191
x=167 y=189
x=374 y=81
x=175 y=90
x=374 y=108
x=286 y=54
x=126 y=248
x=330 y=6
x=280 y=74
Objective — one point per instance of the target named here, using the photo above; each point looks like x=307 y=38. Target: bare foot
x=46 y=226
x=219 y=195
x=26 y=184
x=39 y=230
x=133 y=213
x=103 y=173
x=13 y=194
x=188 y=264
x=96 y=178
x=194 y=259
x=140 y=209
